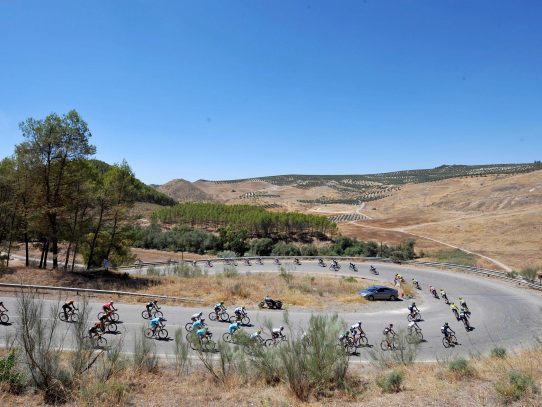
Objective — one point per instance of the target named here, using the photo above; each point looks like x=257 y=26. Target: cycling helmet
x=446 y=324
x=259 y=331
x=70 y=302
x=460 y=298
x=155 y=301
x=413 y=303
x=359 y=322
x=221 y=302
x=281 y=328
x=202 y=320
x=391 y=325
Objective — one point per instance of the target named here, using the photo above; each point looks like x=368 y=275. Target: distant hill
x=184 y=191
x=291 y=191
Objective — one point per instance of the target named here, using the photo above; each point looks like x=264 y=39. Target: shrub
x=9 y=374
x=391 y=382
x=239 y=291
x=529 y=273
x=311 y=366
x=182 y=361
x=286 y=275
x=144 y=357
x=498 y=353
x=460 y=368
x=515 y=385
x=231 y=272
x=186 y=271
x=349 y=279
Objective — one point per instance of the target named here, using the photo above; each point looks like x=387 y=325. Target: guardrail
x=234 y=260
x=90 y=290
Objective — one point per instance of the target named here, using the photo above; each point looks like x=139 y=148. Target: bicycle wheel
x=446 y=343
x=212 y=316
x=74 y=317
x=61 y=316
x=148 y=333
x=226 y=337
x=188 y=327
x=101 y=342
x=209 y=346
x=419 y=336
x=362 y=341
x=100 y=314
x=115 y=317
x=145 y=314
x=384 y=345
x=245 y=320
x=224 y=317
x=453 y=339
x=111 y=327
x=4 y=318
x=163 y=333
x=158 y=314
x=269 y=342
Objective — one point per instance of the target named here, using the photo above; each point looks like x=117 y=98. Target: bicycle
x=97 y=341
x=111 y=327
x=388 y=344
x=113 y=316
x=223 y=316
x=4 y=317
x=72 y=316
x=203 y=344
x=413 y=317
x=275 y=340
x=449 y=341
x=230 y=337
x=154 y=313
x=244 y=320
x=360 y=341
x=414 y=335
x=160 y=332
x=348 y=345
x=353 y=267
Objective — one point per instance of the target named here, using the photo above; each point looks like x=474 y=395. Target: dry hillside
x=183 y=191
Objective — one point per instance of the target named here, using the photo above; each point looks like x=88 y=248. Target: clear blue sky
x=235 y=89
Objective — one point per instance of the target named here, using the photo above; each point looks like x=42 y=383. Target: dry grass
x=295 y=289
x=425 y=384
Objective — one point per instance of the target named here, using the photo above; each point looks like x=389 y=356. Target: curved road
x=502 y=315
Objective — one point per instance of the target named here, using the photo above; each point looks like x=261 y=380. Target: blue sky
x=235 y=89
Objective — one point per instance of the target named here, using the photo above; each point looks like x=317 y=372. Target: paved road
x=502 y=315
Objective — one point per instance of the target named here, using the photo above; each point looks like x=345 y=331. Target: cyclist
x=447 y=331
x=277 y=332
x=372 y=268
x=209 y=263
x=355 y=329
x=68 y=307
x=463 y=316
x=320 y=262
x=108 y=306
x=455 y=310
x=389 y=333
x=152 y=305
x=343 y=337
x=413 y=309
x=203 y=333
x=239 y=312
x=198 y=324
x=415 y=283
x=155 y=323
x=219 y=309
x=103 y=319
x=4 y=309
x=432 y=290
x=256 y=335
x=443 y=295
x=463 y=304
x=233 y=327
x=94 y=331
x=196 y=317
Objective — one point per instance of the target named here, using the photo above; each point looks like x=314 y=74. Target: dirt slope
x=183 y=191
